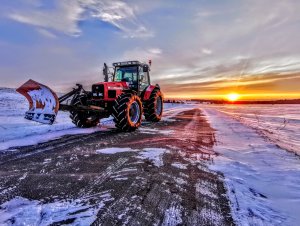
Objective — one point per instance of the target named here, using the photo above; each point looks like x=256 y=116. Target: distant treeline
x=175 y=101
x=295 y=101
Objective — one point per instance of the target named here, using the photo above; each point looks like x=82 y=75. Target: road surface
x=157 y=175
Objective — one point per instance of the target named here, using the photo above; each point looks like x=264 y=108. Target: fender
x=147 y=92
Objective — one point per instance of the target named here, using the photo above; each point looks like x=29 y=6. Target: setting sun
x=233 y=96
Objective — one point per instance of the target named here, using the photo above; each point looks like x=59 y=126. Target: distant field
x=280 y=123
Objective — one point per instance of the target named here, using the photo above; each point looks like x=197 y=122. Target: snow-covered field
x=280 y=123
x=262 y=179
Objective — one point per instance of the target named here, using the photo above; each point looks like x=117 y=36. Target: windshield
x=126 y=74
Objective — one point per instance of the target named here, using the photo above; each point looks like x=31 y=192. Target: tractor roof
x=129 y=63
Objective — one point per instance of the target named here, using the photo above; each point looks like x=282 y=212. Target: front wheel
x=83 y=119
x=127 y=112
x=154 y=106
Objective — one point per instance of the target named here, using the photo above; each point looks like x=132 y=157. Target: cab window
x=126 y=74
x=144 y=78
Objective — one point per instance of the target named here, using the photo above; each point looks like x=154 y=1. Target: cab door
x=144 y=80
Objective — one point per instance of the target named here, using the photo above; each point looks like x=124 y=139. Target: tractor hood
x=108 y=90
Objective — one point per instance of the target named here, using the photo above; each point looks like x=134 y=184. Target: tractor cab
x=134 y=73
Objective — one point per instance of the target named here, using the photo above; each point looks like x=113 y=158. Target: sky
x=199 y=49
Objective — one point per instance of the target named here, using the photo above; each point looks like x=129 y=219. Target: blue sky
x=202 y=48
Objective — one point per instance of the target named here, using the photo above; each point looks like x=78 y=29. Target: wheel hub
x=134 y=112
x=158 y=108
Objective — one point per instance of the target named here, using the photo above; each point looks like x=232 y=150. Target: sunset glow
x=233 y=96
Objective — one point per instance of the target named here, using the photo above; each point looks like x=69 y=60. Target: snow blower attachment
x=43 y=102
x=125 y=98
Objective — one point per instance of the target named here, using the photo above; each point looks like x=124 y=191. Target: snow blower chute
x=43 y=102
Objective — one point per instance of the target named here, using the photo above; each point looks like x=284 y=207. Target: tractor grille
x=98 y=91
x=112 y=93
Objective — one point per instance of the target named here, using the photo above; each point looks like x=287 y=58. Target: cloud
x=155 y=51
x=205 y=14
x=283 y=64
x=143 y=54
x=66 y=15
x=206 y=51
x=63 y=18
x=120 y=15
x=252 y=21
x=241 y=74
x=46 y=33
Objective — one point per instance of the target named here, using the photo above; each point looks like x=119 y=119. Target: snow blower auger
x=126 y=98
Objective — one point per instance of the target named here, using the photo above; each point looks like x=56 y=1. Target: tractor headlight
x=98 y=91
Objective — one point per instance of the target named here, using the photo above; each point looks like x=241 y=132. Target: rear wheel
x=127 y=112
x=83 y=119
x=154 y=106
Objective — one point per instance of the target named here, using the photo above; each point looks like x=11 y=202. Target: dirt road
x=156 y=175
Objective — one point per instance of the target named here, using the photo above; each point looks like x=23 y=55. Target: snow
x=204 y=188
x=114 y=150
x=171 y=110
x=22 y=211
x=262 y=179
x=179 y=165
x=279 y=123
x=212 y=215
x=15 y=130
x=155 y=131
x=121 y=178
x=180 y=181
x=155 y=155
x=173 y=215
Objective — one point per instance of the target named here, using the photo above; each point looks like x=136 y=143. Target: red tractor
x=127 y=97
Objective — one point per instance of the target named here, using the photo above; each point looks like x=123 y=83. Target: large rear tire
x=83 y=119
x=127 y=112
x=153 y=108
